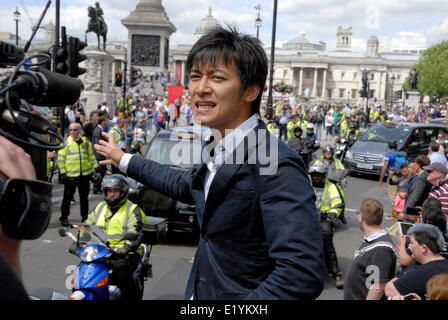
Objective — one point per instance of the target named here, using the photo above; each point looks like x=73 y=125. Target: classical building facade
x=317 y=74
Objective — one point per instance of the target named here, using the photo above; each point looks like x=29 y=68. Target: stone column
x=300 y=81
x=96 y=79
x=182 y=80
x=314 y=94
x=324 y=85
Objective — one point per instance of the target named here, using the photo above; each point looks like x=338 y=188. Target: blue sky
x=395 y=22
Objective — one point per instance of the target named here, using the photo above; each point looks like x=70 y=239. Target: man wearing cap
x=426 y=243
x=437 y=177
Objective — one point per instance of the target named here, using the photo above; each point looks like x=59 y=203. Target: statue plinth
x=96 y=79
x=413 y=100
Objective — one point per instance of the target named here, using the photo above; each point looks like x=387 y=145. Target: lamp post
x=17 y=19
x=271 y=76
x=393 y=95
x=258 y=19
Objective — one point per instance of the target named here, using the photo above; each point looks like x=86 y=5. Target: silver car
x=367 y=153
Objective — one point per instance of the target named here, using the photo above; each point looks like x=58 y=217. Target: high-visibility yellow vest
x=271 y=128
x=331 y=201
x=302 y=124
x=344 y=128
x=117 y=135
x=116 y=225
x=290 y=129
x=337 y=163
x=76 y=159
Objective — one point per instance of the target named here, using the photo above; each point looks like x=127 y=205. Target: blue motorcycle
x=91 y=278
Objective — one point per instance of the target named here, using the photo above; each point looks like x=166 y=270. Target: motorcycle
x=91 y=278
x=341 y=149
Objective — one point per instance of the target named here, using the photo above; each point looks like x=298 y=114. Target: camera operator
x=14 y=163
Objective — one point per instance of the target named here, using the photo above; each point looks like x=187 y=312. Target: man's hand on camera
x=110 y=150
x=14 y=164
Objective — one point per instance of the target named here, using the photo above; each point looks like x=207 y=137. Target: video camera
x=25 y=204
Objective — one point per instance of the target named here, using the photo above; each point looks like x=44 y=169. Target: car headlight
x=349 y=155
x=89 y=254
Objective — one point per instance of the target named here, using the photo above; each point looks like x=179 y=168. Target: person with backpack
x=393 y=161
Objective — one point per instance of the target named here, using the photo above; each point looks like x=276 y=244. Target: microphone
x=42 y=87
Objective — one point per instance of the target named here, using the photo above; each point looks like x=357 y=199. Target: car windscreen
x=386 y=134
x=180 y=153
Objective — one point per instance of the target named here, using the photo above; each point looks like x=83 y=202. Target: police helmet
x=328 y=148
x=310 y=126
x=319 y=168
x=119 y=182
x=297 y=129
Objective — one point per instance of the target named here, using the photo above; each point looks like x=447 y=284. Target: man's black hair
x=230 y=46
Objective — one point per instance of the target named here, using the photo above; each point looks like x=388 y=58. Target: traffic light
x=118 y=82
x=61 y=55
x=370 y=94
x=133 y=79
x=74 y=47
x=421 y=99
x=400 y=94
x=363 y=91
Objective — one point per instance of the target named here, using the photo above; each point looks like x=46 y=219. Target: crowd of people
x=303 y=127
x=415 y=267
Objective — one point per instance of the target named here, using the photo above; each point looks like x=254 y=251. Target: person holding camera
x=14 y=163
x=426 y=242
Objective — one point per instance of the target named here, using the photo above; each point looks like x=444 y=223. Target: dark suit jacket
x=419 y=191
x=260 y=235
x=96 y=137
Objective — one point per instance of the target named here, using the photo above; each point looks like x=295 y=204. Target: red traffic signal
x=118 y=82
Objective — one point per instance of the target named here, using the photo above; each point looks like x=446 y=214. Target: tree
x=432 y=69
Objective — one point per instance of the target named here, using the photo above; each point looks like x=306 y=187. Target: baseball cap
x=437 y=166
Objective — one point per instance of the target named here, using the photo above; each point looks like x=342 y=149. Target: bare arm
x=376 y=291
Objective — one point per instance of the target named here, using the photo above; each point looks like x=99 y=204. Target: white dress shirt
x=230 y=142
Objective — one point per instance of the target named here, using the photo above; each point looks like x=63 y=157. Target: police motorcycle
x=91 y=278
x=341 y=149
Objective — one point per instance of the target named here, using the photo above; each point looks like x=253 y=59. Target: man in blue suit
x=260 y=235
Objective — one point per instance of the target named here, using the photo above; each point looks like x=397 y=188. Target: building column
x=324 y=85
x=314 y=94
x=182 y=80
x=300 y=81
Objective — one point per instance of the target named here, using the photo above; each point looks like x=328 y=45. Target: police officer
x=120 y=138
x=76 y=162
x=329 y=159
x=335 y=171
x=329 y=202
x=118 y=216
x=352 y=135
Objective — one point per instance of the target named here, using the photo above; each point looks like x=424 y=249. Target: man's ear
x=251 y=93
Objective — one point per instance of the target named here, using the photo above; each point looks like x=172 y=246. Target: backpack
x=399 y=161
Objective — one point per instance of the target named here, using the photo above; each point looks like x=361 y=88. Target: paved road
x=46 y=262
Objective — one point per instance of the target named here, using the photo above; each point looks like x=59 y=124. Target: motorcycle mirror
x=62 y=232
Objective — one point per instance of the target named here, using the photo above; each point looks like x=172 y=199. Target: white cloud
x=437 y=32
x=388 y=19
